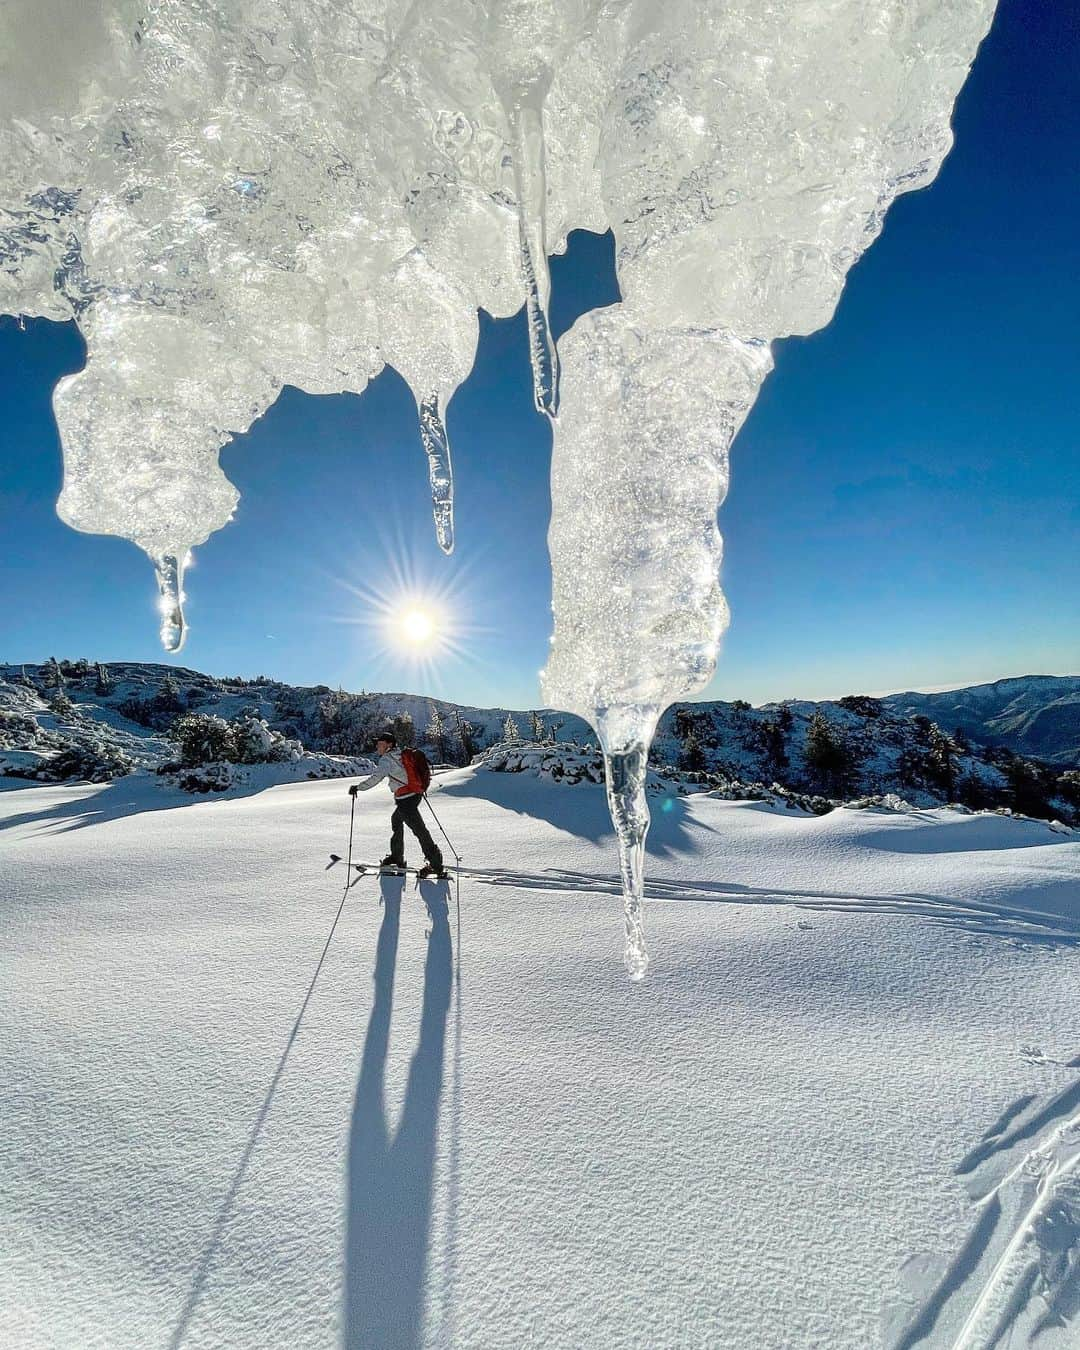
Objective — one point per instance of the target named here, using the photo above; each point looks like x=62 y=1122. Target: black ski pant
x=407 y=812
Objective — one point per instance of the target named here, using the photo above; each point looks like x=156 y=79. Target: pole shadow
x=198 y=1283
x=390 y=1180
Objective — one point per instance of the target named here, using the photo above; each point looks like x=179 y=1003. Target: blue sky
x=905 y=500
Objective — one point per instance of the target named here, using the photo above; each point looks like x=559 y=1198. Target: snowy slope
x=842 y=1112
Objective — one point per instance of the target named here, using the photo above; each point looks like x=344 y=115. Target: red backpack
x=417 y=772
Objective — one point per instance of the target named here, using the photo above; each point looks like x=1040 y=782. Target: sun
x=416 y=626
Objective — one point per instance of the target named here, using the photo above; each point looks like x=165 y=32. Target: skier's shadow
x=390 y=1178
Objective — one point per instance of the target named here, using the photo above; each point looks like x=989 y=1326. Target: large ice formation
x=233 y=195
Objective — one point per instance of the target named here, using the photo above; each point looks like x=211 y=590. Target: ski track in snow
x=1018 y=1275
x=984 y=920
x=237 y=1123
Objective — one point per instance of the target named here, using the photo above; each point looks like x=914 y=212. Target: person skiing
x=398 y=768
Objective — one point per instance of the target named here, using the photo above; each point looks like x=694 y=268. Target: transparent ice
x=170 y=578
x=233 y=195
x=440 y=470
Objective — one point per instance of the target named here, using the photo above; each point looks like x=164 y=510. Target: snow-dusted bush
x=568 y=763
x=203 y=738
x=17 y=731
x=890 y=801
x=560 y=763
x=223 y=775
x=93 y=763
x=206 y=777
x=257 y=743
x=206 y=739
x=59 y=751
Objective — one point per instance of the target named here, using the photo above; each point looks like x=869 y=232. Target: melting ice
x=232 y=195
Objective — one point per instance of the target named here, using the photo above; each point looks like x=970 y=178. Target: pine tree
x=828 y=755
x=435 y=735
x=536 y=727
x=693 y=757
x=774 y=747
x=973 y=792
x=466 y=734
x=167 y=698
x=684 y=724
x=61 y=704
x=404 y=730
x=1068 y=787
x=511 y=731
x=102 y=684
x=1029 y=786
x=941 y=761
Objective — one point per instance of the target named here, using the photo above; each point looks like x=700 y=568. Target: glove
x=354 y=790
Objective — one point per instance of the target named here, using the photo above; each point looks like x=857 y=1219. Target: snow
x=855 y=1025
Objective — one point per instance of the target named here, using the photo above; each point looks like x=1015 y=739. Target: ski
x=373 y=869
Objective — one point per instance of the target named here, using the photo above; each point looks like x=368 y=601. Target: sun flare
x=417 y=626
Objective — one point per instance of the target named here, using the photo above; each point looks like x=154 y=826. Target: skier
x=400 y=769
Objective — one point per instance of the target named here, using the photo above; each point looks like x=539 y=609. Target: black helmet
x=388 y=737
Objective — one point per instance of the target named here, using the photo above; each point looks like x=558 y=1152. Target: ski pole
x=449 y=845
x=348 y=863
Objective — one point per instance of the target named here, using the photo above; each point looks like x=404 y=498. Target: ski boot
x=391 y=867
x=429 y=872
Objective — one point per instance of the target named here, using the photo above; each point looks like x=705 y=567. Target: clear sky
x=905 y=500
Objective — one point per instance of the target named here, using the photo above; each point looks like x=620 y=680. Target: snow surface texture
x=229 y=197
x=842 y=1114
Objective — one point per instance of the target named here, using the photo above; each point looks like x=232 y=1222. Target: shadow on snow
x=579 y=809
x=390 y=1179
x=100 y=803
x=1015 y=1277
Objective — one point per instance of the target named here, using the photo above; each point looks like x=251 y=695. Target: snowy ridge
x=815 y=756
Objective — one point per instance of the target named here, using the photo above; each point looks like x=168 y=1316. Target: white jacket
x=390 y=767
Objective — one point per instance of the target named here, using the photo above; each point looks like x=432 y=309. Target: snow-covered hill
x=53 y=716
x=843 y=1111
x=1035 y=715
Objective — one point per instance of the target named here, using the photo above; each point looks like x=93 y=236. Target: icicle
x=630 y=815
x=440 y=470
x=527 y=123
x=170 y=579
x=625 y=733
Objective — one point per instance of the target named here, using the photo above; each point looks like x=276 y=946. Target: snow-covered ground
x=843 y=1111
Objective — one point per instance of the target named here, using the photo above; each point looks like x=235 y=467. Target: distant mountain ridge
x=1035 y=715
